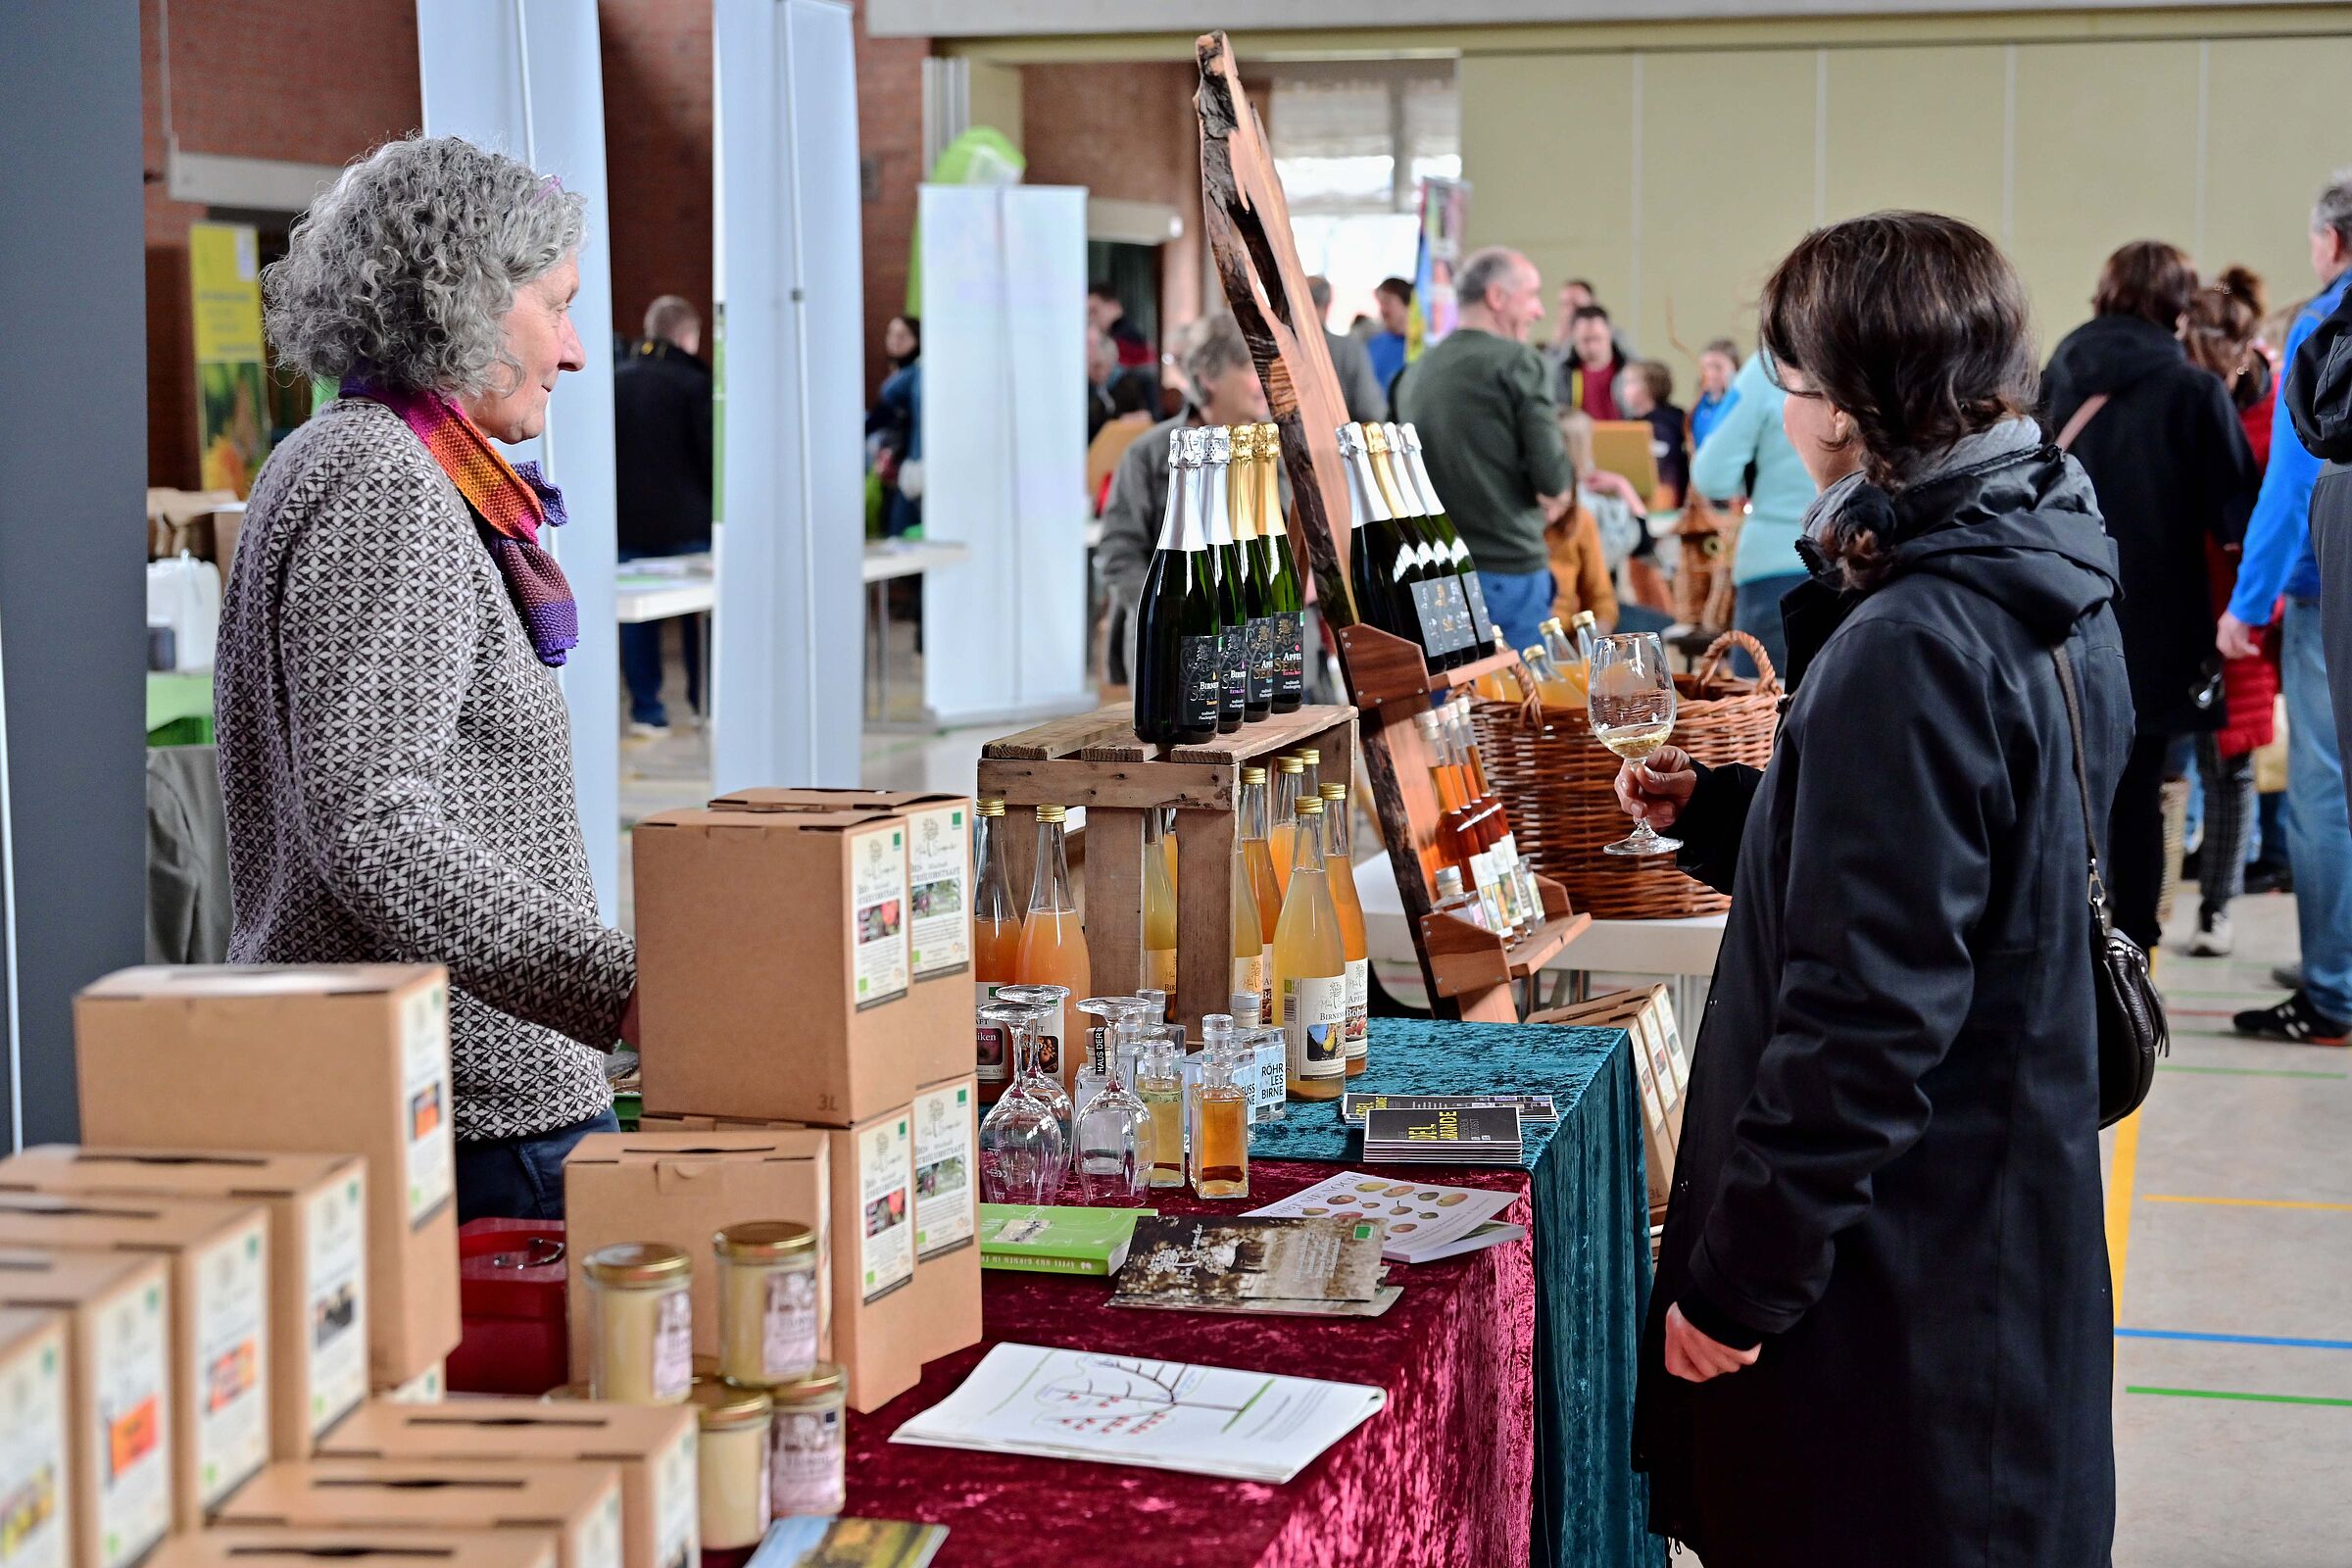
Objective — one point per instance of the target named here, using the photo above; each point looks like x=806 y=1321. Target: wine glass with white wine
x=1632 y=714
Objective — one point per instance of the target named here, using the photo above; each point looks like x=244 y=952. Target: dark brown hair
x=2223 y=322
x=1656 y=376
x=2146 y=278
x=1913 y=324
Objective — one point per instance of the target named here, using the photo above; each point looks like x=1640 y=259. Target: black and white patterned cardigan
x=397 y=769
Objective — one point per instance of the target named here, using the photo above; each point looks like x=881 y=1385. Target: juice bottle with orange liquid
x=1160 y=912
x=1290 y=774
x=996 y=943
x=1339 y=866
x=1053 y=949
x=1265 y=892
x=1310 y=968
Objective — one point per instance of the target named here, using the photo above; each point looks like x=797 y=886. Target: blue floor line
x=2235 y=1339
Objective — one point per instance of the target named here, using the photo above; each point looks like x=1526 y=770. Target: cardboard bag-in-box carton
x=652 y=1445
x=36 y=1465
x=335 y=1060
x=775 y=968
x=946 y=1214
x=359 y=1548
x=318 y=1256
x=118 y=1312
x=680 y=1189
x=219 y=1261
x=579 y=1503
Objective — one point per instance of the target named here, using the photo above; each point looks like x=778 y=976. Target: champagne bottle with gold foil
x=1286 y=598
x=1242 y=496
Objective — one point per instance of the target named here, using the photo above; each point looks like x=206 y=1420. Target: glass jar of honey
x=733 y=1463
x=807 y=1464
x=771 y=1302
x=640 y=1324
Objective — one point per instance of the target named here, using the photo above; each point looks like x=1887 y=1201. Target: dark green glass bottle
x=1179 y=668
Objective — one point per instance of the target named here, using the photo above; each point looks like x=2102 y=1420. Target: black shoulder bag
x=2132 y=1032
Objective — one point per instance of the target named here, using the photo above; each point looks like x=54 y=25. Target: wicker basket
x=1559 y=785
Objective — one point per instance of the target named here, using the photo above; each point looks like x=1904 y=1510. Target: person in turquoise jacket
x=1748 y=437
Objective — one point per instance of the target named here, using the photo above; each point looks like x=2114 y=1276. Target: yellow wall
x=1675 y=177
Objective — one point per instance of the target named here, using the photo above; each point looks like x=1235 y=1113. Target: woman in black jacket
x=2169 y=458
x=1880 y=1326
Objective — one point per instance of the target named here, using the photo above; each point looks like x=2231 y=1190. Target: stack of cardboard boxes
x=806 y=988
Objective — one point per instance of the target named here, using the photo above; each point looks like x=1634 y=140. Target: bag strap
x=2074 y=723
x=2088 y=412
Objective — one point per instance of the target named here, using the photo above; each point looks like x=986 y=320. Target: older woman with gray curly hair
x=395 y=751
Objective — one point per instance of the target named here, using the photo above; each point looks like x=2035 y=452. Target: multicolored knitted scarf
x=511 y=498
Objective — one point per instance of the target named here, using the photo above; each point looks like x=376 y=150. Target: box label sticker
x=938 y=889
x=33 y=1484
x=336 y=1298
x=885 y=1230
x=131 y=1427
x=426 y=1388
x=1676 y=1058
x=944 y=1216
x=425 y=1103
x=233 y=1400
x=597 y=1542
x=677 y=1506
x=879 y=968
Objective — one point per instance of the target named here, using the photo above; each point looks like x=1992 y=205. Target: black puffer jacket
x=2169 y=457
x=1889 y=1162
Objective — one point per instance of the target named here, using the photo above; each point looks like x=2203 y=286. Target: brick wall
x=289 y=79
x=1127 y=131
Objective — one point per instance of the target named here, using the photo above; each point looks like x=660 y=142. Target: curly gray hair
x=407 y=264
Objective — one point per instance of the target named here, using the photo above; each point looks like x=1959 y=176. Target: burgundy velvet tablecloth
x=1443 y=1474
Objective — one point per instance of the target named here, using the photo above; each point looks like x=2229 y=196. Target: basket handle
x=1768 y=679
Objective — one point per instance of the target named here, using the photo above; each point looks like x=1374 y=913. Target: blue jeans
x=520 y=1178
x=2319 y=832
x=1756 y=611
x=1640 y=617
x=1520 y=603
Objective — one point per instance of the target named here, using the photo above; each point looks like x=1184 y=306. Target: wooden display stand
x=1469 y=970
x=1095 y=760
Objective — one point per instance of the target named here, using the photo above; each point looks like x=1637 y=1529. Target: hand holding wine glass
x=1657 y=790
x=1631 y=706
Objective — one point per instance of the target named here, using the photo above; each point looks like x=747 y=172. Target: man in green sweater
x=1490 y=435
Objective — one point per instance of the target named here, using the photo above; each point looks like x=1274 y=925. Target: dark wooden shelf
x=1390 y=673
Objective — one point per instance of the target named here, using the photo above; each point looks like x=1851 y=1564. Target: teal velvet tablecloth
x=1591 y=1208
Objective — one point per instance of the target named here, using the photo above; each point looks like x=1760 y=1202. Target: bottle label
x=937 y=845
x=1457 y=614
x=1289 y=655
x=673 y=1347
x=1273 y=1061
x=878 y=914
x=1359 y=1009
x=1236 y=656
x=1263 y=661
x=1482 y=626
x=1160 y=969
x=789 y=1321
x=1314 y=1024
x=1200 y=683
x=1265 y=984
x=1250 y=975
x=993 y=1055
x=1428 y=609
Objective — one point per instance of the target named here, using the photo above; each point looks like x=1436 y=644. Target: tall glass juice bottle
x=1160 y=912
x=1339 y=866
x=996 y=941
x=1265 y=893
x=1053 y=949
x=1248 y=932
x=1310 y=759
x=1551 y=682
x=1167 y=842
x=1310 y=968
x=1289 y=774
x=1286 y=600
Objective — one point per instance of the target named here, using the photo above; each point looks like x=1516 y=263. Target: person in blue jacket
x=1765 y=566
x=2279 y=559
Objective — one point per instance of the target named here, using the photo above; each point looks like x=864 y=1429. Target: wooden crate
x=1095 y=760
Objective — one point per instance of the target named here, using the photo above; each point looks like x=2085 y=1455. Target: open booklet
x=1425 y=1222
x=1131 y=1410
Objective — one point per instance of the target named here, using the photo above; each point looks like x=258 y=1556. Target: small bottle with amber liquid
x=1160 y=1084
x=1221 y=1137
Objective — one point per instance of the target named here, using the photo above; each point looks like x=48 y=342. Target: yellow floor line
x=2119 y=1205
x=2231 y=1202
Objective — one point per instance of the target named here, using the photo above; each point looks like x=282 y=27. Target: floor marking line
x=2119 y=1205
x=2226 y=1394
x=2250 y=1072
x=2249 y=1202
x=2233 y=1339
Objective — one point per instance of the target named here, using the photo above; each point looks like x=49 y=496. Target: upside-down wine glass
x=1023 y=1151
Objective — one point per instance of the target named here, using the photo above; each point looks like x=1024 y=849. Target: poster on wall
x=1444 y=214
x=232 y=394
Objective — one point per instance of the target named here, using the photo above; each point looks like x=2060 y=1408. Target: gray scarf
x=2001 y=440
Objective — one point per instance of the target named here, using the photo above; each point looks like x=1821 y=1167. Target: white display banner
x=1005 y=449
x=524 y=76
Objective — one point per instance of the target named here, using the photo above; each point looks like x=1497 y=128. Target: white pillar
x=786 y=693
x=523 y=77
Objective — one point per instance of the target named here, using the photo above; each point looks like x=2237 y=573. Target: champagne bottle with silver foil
x=1233 y=616
x=1383 y=567
x=1439 y=594
x=1179 y=652
x=1286 y=600
x=1457 y=550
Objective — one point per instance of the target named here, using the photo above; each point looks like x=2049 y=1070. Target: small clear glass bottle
x=1160 y=1084
x=1107 y=1011
x=640 y=1324
x=732 y=1459
x=771 y=1311
x=1221 y=1137
x=1452 y=901
x=807 y=1468
x=1114 y=1129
